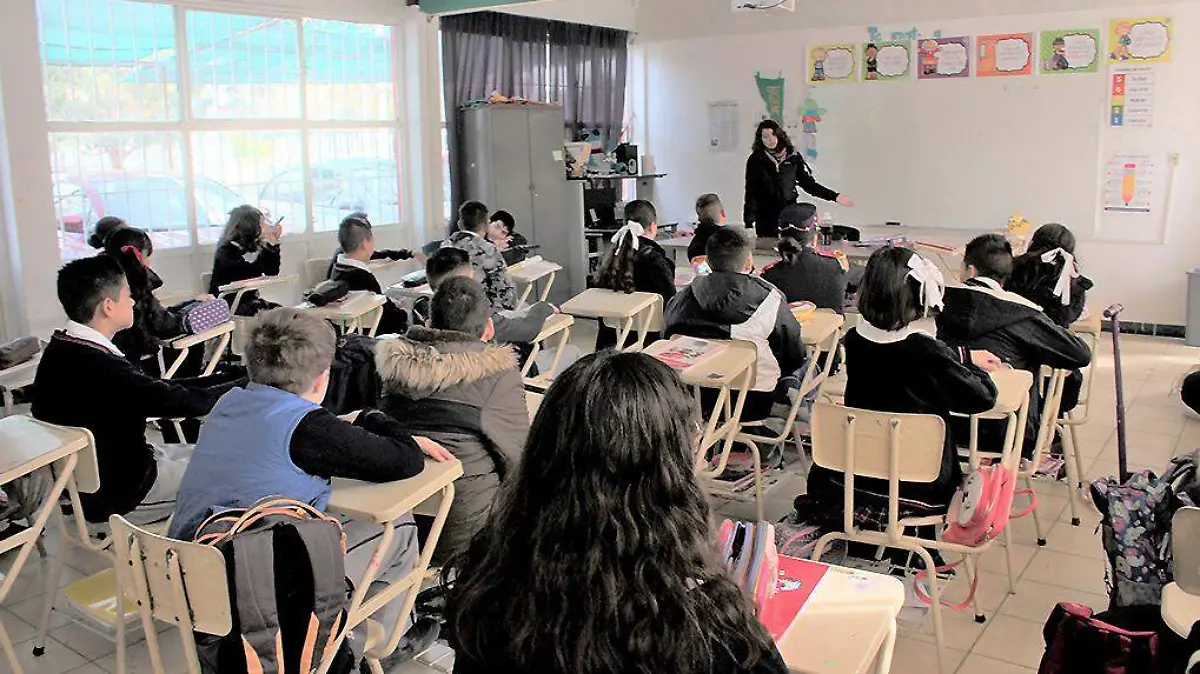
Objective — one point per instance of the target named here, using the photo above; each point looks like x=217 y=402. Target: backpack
x=749 y=551
x=353 y=380
x=287 y=590
x=979 y=513
x=1078 y=642
x=204 y=315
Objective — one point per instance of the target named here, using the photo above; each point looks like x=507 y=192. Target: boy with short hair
x=502 y=231
x=710 y=214
x=447 y=381
x=84 y=380
x=729 y=303
x=394 y=255
x=982 y=315
x=357 y=242
x=489 y=263
x=510 y=327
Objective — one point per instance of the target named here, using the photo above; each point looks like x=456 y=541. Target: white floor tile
x=1034 y=601
x=1012 y=640
x=58 y=659
x=978 y=664
x=1069 y=571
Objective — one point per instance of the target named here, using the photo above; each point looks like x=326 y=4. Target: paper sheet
x=1129 y=184
x=723 y=126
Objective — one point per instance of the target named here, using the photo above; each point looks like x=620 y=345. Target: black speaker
x=627 y=155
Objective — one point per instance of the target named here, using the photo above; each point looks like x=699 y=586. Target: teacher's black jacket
x=770 y=187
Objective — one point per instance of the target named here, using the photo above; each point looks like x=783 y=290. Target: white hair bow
x=930 y=277
x=631 y=229
x=1070 y=272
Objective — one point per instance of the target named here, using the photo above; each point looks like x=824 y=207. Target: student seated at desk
x=489 y=263
x=272 y=438
x=357 y=242
x=600 y=557
x=511 y=327
x=729 y=303
x=635 y=264
x=248 y=249
x=447 y=382
x=502 y=231
x=361 y=219
x=805 y=273
x=981 y=315
x=710 y=215
x=84 y=380
x=103 y=229
x=892 y=366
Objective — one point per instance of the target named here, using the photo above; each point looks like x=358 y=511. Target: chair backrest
x=315 y=271
x=1051 y=402
x=874 y=444
x=180 y=583
x=1185 y=548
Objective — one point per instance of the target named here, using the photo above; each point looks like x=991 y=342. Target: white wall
x=676 y=78
x=612 y=13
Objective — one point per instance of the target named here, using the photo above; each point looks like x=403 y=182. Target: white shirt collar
x=873 y=334
x=89 y=334
x=351 y=262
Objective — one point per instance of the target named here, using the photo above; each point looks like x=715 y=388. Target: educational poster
x=810 y=116
x=771 y=91
x=1142 y=40
x=1004 y=55
x=1132 y=97
x=832 y=63
x=723 y=126
x=1070 y=51
x=1129 y=184
x=889 y=61
x=944 y=58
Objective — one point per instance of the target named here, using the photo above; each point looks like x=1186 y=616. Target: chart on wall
x=832 y=63
x=1070 y=51
x=1140 y=40
x=944 y=58
x=1004 y=55
x=887 y=61
x=1132 y=103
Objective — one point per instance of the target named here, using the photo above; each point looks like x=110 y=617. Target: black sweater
x=812 y=277
x=375 y=448
x=699 y=244
x=81 y=384
x=770 y=187
x=152 y=322
x=230 y=266
x=398 y=254
x=394 y=320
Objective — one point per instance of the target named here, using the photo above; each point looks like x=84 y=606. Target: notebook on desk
x=798 y=579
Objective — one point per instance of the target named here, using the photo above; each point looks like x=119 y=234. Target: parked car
x=340 y=187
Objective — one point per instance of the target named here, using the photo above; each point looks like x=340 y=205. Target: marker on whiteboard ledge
x=892 y=223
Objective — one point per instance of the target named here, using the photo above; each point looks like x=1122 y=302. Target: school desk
x=352 y=312
x=223 y=333
x=532 y=402
x=674 y=245
x=1012 y=400
x=240 y=288
x=529 y=272
x=15 y=377
x=382 y=504
x=622 y=308
x=1088 y=324
x=848 y=623
x=556 y=324
x=819 y=326
x=26 y=446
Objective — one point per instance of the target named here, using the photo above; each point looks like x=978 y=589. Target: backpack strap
x=327 y=557
x=258 y=612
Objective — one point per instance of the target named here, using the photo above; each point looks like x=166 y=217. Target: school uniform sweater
x=397 y=254
x=80 y=383
x=980 y=315
x=358 y=276
x=813 y=277
x=230 y=265
x=698 y=246
x=909 y=372
x=653 y=272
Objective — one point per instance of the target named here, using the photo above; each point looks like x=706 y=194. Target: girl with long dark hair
x=599 y=555
x=775 y=172
x=1048 y=275
x=636 y=263
x=248 y=249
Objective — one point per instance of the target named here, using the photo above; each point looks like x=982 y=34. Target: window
x=298 y=116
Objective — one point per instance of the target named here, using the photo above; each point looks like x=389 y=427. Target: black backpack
x=353 y=380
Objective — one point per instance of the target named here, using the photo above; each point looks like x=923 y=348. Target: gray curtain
x=588 y=67
x=484 y=52
x=583 y=68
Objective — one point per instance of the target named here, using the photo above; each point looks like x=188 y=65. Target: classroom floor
x=1069 y=568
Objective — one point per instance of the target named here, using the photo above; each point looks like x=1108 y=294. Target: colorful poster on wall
x=832 y=63
x=887 y=61
x=771 y=91
x=810 y=116
x=1143 y=40
x=1129 y=184
x=1132 y=94
x=1004 y=55
x=1070 y=51
x=944 y=58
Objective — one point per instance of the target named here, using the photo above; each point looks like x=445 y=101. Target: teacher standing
x=775 y=172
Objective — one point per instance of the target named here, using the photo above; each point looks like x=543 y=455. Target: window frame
x=188 y=124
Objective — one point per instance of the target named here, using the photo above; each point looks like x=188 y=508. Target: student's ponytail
x=616 y=273
x=789 y=248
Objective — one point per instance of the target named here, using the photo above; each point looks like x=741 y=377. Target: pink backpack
x=979 y=513
x=748 y=549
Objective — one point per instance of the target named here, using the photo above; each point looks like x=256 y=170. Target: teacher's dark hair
x=599 y=553
x=775 y=128
x=888 y=298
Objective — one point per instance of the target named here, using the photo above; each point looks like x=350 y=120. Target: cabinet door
x=498 y=159
x=557 y=220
